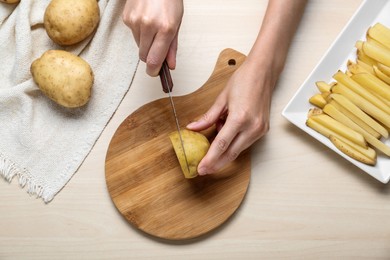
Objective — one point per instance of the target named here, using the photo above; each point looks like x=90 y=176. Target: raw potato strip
x=378 y=145
x=325 y=95
x=380 y=33
x=381 y=75
x=340 y=129
x=376 y=85
x=318 y=100
x=376 y=43
x=365 y=65
x=366 y=106
x=384 y=69
x=314 y=111
x=349 y=105
x=355 y=68
x=358 y=89
x=351 y=152
x=337 y=115
x=332 y=111
x=359 y=45
x=381 y=98
x=323 y=86
x=377 y=53
x=365 y=58
x=362 y=56
x=355 y=119
x=328 y=132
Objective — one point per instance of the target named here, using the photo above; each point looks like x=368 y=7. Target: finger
x=172 y=51
x=218 y=147
x=239 y=144
x=130 y=22
x=212 y=116
x=136 y=34
x=145 y=42
x=157 y=53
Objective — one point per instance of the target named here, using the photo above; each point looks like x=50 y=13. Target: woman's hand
x=155 y=25
x=241 y=114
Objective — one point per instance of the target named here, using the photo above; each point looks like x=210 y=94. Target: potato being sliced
x=196 y=146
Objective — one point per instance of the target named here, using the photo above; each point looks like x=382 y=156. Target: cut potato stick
x=377 y=53
x=376 y=85
x=381 y=98
x=323 y=86
x=381 y=75
x=340 y=129
x=314 y=111
x=326 y=95
x=351 y=152
x=355 y=68
x=365 y=65
x=363 y=104
x=349 y=105
x=366 y=59
x=358 y=89
x=359 y=45
x=333 y=112
x=378 y=144
x=355 y=119
x=318 y=100
x=328 y=132
x=376 y=43
x=337 y=115
x=380 y=33
x=385 y=69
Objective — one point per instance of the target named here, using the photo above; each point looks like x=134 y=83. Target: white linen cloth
x=42 y=143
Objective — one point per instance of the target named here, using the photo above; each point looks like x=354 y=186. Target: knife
x=167 y=86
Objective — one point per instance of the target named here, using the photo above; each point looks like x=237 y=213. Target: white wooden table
x=304 y=200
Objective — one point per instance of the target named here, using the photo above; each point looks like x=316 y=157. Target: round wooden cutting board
x=143 y=174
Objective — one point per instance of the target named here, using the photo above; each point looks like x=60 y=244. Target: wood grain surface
x=143 y=175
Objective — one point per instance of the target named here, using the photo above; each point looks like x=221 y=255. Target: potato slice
x=196 y=146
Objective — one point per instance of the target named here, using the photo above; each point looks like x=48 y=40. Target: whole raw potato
x=10 y=1
x=63 y=77
x=70 y=21
x=195 y=145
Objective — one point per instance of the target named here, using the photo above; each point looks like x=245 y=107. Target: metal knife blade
x=167 y=84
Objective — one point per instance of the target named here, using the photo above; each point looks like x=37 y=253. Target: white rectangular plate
x=342 y=49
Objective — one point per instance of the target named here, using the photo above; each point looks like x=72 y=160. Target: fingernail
x=202 y=171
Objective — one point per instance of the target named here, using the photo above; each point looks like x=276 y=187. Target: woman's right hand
x=155 y=25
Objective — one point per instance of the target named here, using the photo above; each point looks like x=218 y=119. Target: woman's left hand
x=241 y=114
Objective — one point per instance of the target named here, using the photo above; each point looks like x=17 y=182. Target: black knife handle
x=165 y=77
